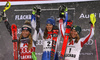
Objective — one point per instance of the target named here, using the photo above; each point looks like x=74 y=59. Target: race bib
x=73 y=51
x=47 y=45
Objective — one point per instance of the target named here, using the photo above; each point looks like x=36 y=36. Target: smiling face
x=49 y=27
x=25 y=33
x=73 y=33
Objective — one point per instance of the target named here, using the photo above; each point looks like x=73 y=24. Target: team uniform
x=24 y=53
x=73 y=49
x=47 y=43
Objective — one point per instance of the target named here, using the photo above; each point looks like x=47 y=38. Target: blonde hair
x=29 y=43
x=76 y=39
x=30 y=37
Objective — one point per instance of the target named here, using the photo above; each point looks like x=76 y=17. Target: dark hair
x=45 y=33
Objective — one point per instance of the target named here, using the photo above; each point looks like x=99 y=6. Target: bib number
x=69 y=50
x=47 y=45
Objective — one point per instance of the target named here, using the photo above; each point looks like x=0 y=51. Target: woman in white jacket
x=75 y=43
x=46 y=35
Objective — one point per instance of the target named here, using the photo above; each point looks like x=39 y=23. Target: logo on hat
x=25 y=28
x=73 y=27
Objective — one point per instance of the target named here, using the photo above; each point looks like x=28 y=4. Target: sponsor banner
x=84 y=54
x=86 y=16
x=90 y=42
x=22 y=17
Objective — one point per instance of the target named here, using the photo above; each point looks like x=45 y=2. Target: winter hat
x=27 y=26
x=77 y=28
x=50 y=21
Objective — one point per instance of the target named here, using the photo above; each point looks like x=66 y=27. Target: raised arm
x=8 y=26
x=36 y=23
x=63 y=17
x=90 y=35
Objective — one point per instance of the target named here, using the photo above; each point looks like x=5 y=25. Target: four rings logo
x=90 y=42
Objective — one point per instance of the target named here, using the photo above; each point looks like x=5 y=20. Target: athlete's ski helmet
x=77 y=28
x=51 y=20
x=27 y=26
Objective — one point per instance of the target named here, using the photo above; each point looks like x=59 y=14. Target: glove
x=36 y=11
x=34 y=56
x=92 y=19
x=3 y=16
x=62 y=11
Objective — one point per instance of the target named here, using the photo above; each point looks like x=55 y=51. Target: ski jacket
x=47 y=43
x=24 y=53
x=73 y=49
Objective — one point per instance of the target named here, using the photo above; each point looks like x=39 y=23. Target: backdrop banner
x=27 y=2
